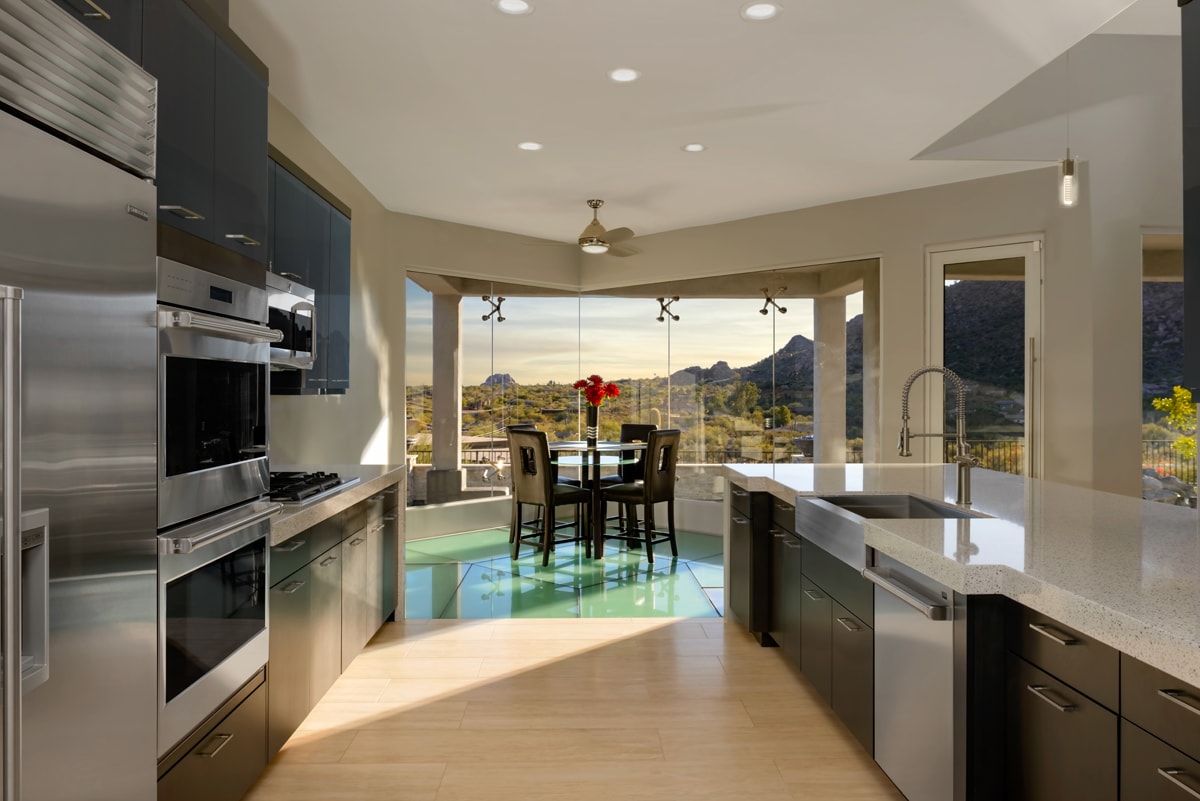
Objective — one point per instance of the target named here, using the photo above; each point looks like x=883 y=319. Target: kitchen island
x=1067 y=660
x=1122 y=570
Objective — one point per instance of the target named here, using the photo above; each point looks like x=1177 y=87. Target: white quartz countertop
x=296 y=518
x=1120 y=569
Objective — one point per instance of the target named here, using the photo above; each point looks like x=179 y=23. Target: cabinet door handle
x=291 y=587
x=183 y=211
x=788 y=542
x=785 y=507
x=1181 y=698
x=243 y=239
x=1040 y=691
x=220 y=740
x=741 y=521
x=814 y=596
x=390 y=518
x=848 y=624
x=739 y=493
x=1050 y=634
x=356 y=541
x=328 y=560
x=1172 y=775
x=288 y=547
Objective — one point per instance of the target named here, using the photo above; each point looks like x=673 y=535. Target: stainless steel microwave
x=292 y=311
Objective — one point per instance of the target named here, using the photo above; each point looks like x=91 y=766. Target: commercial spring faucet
x=962 y=452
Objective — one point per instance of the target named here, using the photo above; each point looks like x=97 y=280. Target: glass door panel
x=985 y=307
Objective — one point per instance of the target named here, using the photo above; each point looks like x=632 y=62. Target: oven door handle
x=176 y=545
x=307 y=360
x=221 y=326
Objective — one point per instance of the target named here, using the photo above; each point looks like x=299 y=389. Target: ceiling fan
x=595 y=239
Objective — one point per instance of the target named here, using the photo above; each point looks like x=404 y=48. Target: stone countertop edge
x=1132 y=625
x=372 y=479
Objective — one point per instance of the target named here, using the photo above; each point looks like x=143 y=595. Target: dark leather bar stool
x=656 y=486
x=533 y=483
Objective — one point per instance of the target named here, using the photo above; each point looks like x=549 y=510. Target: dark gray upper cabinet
x=179 y=51
x=309 y=242
x=212 y=131
x=240 y=155
x=337 y=309
x=118 y=22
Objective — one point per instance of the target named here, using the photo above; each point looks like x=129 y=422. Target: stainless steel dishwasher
x=914 y=680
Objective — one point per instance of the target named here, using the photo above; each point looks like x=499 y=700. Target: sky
x=562 y=339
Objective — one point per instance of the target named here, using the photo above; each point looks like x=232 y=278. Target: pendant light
x=1068 y=178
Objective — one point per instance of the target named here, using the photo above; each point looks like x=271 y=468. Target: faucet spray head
x=904 y=438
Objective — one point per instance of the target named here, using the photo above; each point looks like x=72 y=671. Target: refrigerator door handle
x=10 y=463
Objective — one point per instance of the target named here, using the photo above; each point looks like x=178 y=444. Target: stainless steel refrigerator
x=77 y=300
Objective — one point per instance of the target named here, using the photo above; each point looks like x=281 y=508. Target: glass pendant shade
x=1068 y=182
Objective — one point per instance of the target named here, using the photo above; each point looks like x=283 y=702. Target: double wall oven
x=213 y=368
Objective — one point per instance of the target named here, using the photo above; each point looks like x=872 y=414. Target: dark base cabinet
x=749 y=560
x=816 y=660
x=1062 y=746
x=224 y=757
x=1152 y=770
x=853 y=675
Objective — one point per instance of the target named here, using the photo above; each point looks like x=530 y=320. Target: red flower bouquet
x=595 y=390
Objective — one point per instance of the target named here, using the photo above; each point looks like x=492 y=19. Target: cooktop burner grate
x=296 y=487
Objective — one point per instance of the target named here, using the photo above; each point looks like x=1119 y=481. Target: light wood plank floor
x=460 y=710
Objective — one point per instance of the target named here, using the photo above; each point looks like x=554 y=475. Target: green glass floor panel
x=428 y=588
x=708 y=574
x=487 y=592
x=670 y=593
x=717 y=596
x=570 y=567
x=473 y=546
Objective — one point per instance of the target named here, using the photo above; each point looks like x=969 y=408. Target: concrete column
x=445 y=480
x=829 y=380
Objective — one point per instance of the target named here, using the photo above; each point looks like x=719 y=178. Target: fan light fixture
x=593 y=244
x=624 y=75
x=529 y=145
x=694 y=147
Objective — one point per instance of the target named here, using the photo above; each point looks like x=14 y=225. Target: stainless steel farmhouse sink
x=835 y=522
x=901 y=506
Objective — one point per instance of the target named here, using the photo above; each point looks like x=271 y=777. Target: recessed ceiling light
x=513 y=6
x=624 y=75
x=759 y=12
x=694 y=147
x=530 y=145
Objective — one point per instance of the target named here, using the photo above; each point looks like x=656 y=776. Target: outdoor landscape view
x=740 y=384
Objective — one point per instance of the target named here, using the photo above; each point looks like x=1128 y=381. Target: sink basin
x=897 y=507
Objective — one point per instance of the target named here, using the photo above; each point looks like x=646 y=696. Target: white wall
x=1125 y=123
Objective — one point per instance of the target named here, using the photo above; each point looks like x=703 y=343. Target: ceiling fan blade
x=622 y=250
x=619 y=235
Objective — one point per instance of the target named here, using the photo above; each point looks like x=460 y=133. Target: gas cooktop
x=296 y=487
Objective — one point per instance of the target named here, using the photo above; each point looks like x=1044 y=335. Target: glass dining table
x=590 y=459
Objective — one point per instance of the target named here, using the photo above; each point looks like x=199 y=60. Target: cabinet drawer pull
x=390 y=518
x=741 y=521
x=291 y=587
x=96 y=13
x=814 y=596
x=1181 y=698
x=848 y=624
x=392 y=490
x=220 y=740
x=288 y=547
x=183 y=211
x=1172 y=775
x=1050 y=634
x=328 y=560
x=739 y=493
x=356 y=541
x=1040 y=691
x=248 y=241
x=785 y=507
x=788 y=542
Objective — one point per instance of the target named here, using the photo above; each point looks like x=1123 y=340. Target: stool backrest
x=532 y=476
x=634 y=432
x=662 y=458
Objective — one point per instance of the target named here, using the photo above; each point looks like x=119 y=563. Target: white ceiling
x=425 y=100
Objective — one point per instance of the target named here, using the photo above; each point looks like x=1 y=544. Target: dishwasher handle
x=880 y=577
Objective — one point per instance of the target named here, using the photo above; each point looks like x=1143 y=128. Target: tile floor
x=590 y=709
x=473 y=576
